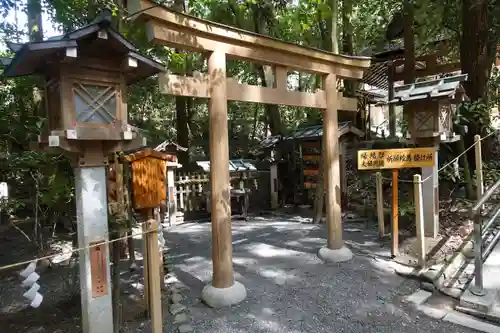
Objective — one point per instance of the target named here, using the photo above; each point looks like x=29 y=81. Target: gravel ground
x=290 y=290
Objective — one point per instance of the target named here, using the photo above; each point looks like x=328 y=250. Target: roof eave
x=10 y=70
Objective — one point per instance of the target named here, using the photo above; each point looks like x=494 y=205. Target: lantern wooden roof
x=35 y=58
x=447 y=87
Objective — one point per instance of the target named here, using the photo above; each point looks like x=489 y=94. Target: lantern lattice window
x=424 y=121
x=95 y=103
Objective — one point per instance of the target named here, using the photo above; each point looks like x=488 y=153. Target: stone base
x=339 y=255
x=221 y=297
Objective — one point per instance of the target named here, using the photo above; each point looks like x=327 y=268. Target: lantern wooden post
x=92 y=221
x=429 y=107
x=430 y=199
x=223 y=290
x=335 y=250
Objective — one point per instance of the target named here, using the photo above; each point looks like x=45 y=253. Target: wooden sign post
x=395 y=159
x=149 y=174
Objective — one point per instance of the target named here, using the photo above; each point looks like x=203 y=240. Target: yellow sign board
x=395 y=158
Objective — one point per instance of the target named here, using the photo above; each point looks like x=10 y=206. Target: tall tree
x=35 y=26
x=478 y=43
x=331 y=42
x=181 y=102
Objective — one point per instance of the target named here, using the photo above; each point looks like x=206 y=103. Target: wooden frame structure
x=220 y=43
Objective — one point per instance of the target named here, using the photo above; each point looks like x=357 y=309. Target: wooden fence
x=192 y=186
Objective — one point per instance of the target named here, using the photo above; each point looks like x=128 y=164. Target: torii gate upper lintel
x=220 y=43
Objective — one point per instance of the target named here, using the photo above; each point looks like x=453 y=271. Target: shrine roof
x=310 y=132
x=430 y=89
x=32 y=58
x=234 y=165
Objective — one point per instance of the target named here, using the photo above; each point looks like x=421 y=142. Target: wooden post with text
x=394 y=159
x=149 y=173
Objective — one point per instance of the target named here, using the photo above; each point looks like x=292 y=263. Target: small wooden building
x=299 y=155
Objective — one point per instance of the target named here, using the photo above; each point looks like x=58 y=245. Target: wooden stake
x=160 y=252
x=145 y=264
x=419 y=218
x=153 y=268
x=479 y=167
x=380 y=205
x=395 y=213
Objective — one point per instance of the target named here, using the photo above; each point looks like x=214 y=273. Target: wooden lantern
x=149 y=172
x=430 y=106
x=86 y=73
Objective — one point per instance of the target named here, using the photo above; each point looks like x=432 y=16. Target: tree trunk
x=347 y=43
x=409 y=42
x=469 y=193
x=476 y=61
x=181 y=107
x=409 y=48
x=267 y=79
x=331 y=40
x=332 y=36
x=272 y=110
x=319 y=195
x=182 y=128
x=35 y=26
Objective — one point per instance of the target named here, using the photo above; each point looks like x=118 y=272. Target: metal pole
x=477 y=289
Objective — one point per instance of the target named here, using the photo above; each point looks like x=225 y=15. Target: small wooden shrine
x=240 y=170
x=299 y=156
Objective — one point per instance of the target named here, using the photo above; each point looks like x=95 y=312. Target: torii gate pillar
x=223 y=290
x=335 y=251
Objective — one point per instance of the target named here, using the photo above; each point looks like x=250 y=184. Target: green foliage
x=49 y=179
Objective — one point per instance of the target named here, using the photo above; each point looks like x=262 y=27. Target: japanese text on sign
x=395 y=158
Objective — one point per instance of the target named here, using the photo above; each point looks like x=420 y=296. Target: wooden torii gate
x=221 y=43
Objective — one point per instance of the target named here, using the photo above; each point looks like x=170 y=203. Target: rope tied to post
x=48 y=257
